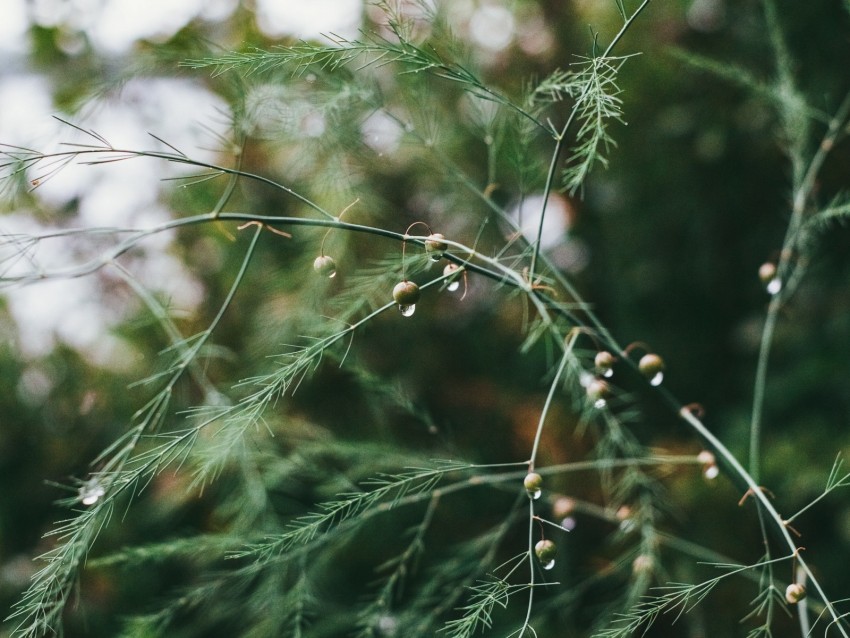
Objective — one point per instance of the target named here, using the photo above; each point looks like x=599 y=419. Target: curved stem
x=802 y=193
x=757 y=493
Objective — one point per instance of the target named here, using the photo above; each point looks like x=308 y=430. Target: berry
x=406 y=293
x=650 y=365
x=794 y=593
x=545 y=551
x=533 y=482
x=598 y=389
x=767 y=272
x=604 y=361
x=435 y=246
x=324 y=265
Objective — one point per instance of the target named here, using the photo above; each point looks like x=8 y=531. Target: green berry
x=545 y=551
x=533 y=482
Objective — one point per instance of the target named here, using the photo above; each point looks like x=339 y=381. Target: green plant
x=303 y=499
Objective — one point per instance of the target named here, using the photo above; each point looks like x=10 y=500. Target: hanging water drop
x=407 y=310
x=711 y=472
x=91 y=492
x=453 y=286
x=550 y=564
x=600 y=403
x=535 y=494
x=774 y=285
x=657 y=379
x=608 y=373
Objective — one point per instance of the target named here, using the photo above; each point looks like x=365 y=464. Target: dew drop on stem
x=600 y=403
x=453 y=286
x=91 y=492
x=657 y=379
x=549 y=565
x=774 y=285
x=407 y=310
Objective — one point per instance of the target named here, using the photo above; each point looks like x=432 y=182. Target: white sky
x=128 y=193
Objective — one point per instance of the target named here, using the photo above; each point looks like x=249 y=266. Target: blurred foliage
x=665 y=243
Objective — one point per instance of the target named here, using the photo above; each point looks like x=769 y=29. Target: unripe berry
x=794 y=593
x=604 y=361
x=435 y=246
x=598 y=390
x=545 y=550
x=325 y=265
x=652 y=367
x=533 y=483
x=406 y=293
x=767 y=271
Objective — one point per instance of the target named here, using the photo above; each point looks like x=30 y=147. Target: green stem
x=802 y=193
x=756 y=492
x=552 y=387
x=560 y=142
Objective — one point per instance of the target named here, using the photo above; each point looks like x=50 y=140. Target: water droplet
x=91 y=492
x=549 y=565
x=711 y=472
x=657 y=379
x=453 y=286
x=332 y=274
x=600 y=403
x=407 y=310
x=608 y=373
x=774 y=285
x=535 y=494
x=436 y=256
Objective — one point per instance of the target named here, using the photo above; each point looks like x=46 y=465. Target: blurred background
x=665 y=242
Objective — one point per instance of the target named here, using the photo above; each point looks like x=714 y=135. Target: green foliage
x=299 y=458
